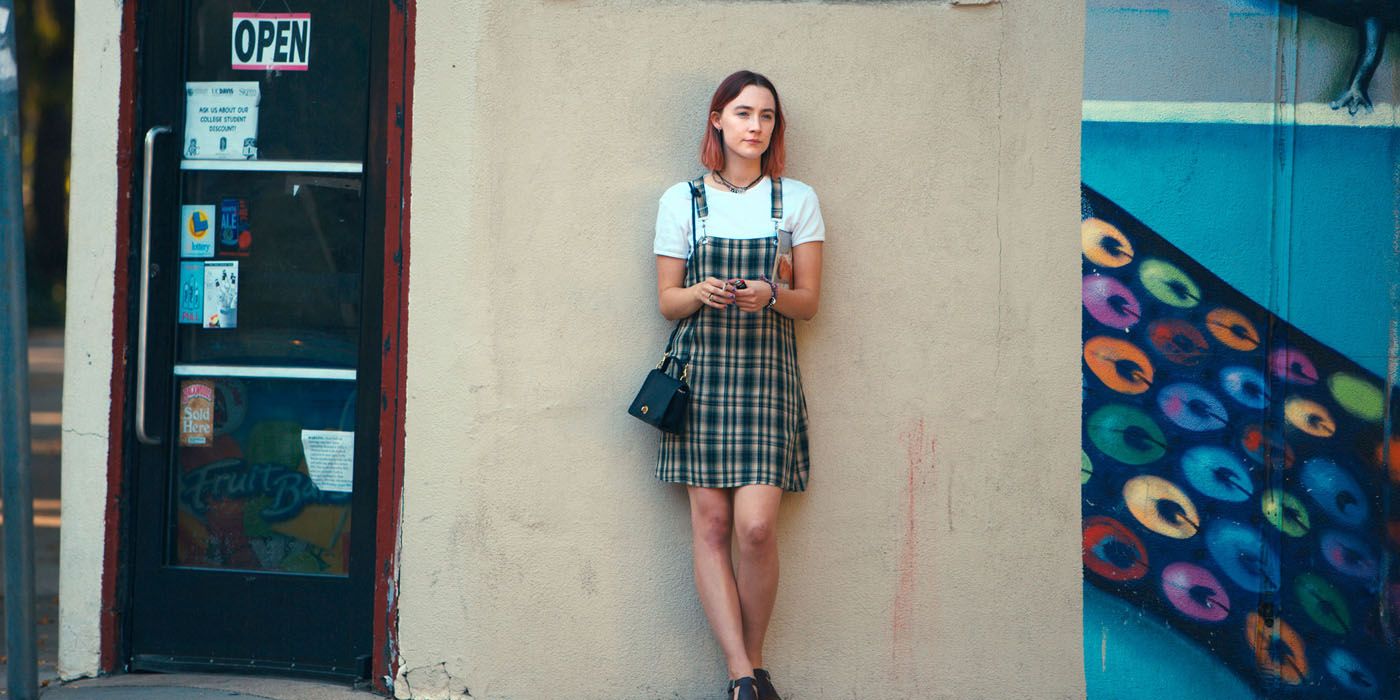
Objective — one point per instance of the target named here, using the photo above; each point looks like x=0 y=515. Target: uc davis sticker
x=268 y=41
x=197 y=231
x=196 y=413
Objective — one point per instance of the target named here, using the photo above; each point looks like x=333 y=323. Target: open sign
x=266 y=41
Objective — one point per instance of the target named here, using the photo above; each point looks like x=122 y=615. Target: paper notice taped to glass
x=221 y=120
x=330 y=458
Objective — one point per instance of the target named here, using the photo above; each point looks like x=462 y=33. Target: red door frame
x=399 y=125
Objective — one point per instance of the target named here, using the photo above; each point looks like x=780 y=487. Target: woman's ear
x=714 y=120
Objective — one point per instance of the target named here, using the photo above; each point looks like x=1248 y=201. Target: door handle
x=145 y=286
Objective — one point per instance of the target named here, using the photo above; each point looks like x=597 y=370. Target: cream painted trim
x=280 y=166
x=1306 y=114
x=344 y=375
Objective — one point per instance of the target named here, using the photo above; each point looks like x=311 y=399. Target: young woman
x=745 y=438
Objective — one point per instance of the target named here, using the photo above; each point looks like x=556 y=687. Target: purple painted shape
x=1349 y=555
x=1195 y=592
x=1110 y=302
x=1292 y=366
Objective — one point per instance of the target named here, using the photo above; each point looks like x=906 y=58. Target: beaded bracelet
x=772 y=286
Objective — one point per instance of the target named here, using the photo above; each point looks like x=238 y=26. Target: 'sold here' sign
x=271 y=41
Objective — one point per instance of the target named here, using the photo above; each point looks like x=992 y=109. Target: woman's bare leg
x=710 y=516
x=755 y=518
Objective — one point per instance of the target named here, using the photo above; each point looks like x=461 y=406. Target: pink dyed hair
x=712 y=144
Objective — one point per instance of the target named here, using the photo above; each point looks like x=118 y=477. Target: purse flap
x=656 y=395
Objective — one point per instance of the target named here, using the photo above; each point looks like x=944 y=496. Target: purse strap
x=697 y=203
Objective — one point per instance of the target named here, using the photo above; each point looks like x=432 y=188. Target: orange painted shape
x=1119 y=364
x=1232 y=329
x=1104 y=244
x=1309 y=416
x=1390 y=458
x=1161 y=507
x=1278 y=650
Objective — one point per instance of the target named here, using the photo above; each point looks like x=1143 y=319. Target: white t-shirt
x=747 y=215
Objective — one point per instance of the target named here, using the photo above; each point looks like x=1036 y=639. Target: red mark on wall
x=914 y=440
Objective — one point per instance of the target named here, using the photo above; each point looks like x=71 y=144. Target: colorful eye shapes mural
x=1237 y=476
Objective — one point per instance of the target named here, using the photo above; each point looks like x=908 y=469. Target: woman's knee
x=711 y=526
x=755 y=533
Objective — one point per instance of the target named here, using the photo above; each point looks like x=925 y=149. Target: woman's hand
x=714 y=293
x=754 y=296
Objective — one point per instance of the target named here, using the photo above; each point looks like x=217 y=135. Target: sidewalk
x=194 y=686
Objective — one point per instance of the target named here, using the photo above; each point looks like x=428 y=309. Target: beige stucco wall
x=936 y=554
x=87 y=357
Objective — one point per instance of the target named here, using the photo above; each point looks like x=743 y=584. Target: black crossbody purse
x=664 y=400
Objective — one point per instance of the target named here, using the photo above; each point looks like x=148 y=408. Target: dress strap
x=777 y=199
x=697 y=192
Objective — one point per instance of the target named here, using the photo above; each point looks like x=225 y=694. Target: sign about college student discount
x=221 y=120
x=271 y=41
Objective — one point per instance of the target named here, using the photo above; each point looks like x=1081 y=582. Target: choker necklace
x=733 y=187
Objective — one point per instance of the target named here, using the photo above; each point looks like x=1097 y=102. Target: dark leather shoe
x=747 y=690
x=766 y=691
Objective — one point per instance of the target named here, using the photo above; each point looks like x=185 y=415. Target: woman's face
x=747 y=122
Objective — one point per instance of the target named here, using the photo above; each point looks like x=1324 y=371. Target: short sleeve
x=807 y=224
x=673 y=222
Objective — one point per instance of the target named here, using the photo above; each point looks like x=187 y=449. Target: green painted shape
x=1323 y=603
x=1164 y=279
x=1086 y=468
x=1108 y=430
x=1286 y=513
x=1358 y=396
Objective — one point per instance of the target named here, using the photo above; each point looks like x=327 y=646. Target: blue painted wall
x=1208 y=188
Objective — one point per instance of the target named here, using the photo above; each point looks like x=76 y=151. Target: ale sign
x=268 y=41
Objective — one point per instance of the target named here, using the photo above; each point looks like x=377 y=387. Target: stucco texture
x=936 y=552
x=87 y=361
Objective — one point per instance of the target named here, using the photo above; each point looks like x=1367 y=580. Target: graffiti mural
x=1241 y=313
x=1370 y=18
x=1237 y=477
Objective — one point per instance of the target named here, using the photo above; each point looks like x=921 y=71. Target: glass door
x=256 y=373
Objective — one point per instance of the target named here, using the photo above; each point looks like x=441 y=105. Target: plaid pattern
x=748 y=418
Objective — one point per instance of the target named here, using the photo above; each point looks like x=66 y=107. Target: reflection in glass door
x=255 y=474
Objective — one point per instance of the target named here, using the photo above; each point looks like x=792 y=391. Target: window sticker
x=234 y=236
x=330 y=458
x=230 y=405
x=271 y=41
x=196 y=413
x=191 y=291
x=221 y=120
x=221 y=294
x=197 y=231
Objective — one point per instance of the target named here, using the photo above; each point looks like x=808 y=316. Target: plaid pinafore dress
x=747 y=422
